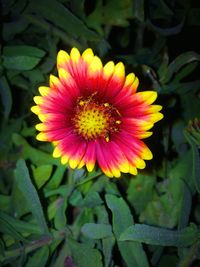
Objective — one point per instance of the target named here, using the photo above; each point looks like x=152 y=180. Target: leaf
x=108 y=242
x=6 y=97
x=91 y=200
x=114 y=12
x=60 y=16
x=23 y=50
x=96 y=231
x=21 y=57
x=36 y=156
x=56 y=177
x=132 y=253
x=160 y=236
x=39 y=258
x=42 y=174
x=19 y=225
x=186 y=206
x=84 y=255
x=7 y=228
x=141 y=191
x=11 y=28
x=5 y=203
x=195 y=161
x=64 y=253
x=60 y=216
x=28 y=190
x=177 y=64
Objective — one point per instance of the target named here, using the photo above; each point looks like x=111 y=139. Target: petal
x=44 y=90
x=38 y=100
x=88 y=55
x=95 y=66
x=148 y=96
x=156 y=117
x=53 y=81
x=57 y=152
x=109 y=69
x=75 y=55
x=62 y=58
x=42 y=137
x=40 y=127
x=102 y=161
x=119 y=70
x=90 y=156
x=36 y=110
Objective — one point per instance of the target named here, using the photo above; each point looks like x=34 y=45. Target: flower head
x=92 y=114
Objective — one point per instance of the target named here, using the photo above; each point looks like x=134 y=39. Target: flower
x=92 y=114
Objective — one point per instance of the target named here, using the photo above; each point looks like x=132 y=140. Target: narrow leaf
x=19 y=225
x=195 y=161
x=84 y=255
x=96 y=231
x=132 y=253
x=59 y=15
x=39 y=258
x=28 y=190
x=178 y=63
x=21 y=57
x=160 y=236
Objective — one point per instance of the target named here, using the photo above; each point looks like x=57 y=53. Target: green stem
x=51 y=28
x=47 y=240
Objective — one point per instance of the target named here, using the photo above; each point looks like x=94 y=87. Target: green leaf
x=36 y=156
x=6 y=96
x=60 y=216
x=56 y=177
x=91 y=200
x=84 y=255
x=141 y=191
x=108 y=242
x=195 y=161
x=96 y=231
x=114 y=12
x=19 y=225
x=186 y=205
x=23 y=50
x=5 y=203
x=60 y=16
x=132 y=253
x=41 y=174
x=160 y=236
x=28 y=190
x=64 y=253
x=39 y=258
x=7 y=228
x=21 y=57
x=11 y=28
x=20 y=62
x=177 y=64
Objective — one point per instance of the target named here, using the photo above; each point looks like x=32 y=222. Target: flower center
x=93 y=119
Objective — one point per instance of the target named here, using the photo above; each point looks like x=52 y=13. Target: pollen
x=94 y=120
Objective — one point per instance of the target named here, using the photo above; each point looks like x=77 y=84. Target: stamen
x=94 y=120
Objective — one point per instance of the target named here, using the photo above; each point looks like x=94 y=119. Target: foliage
x=53 y=216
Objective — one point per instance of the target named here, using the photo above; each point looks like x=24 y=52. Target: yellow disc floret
x=93 y=120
